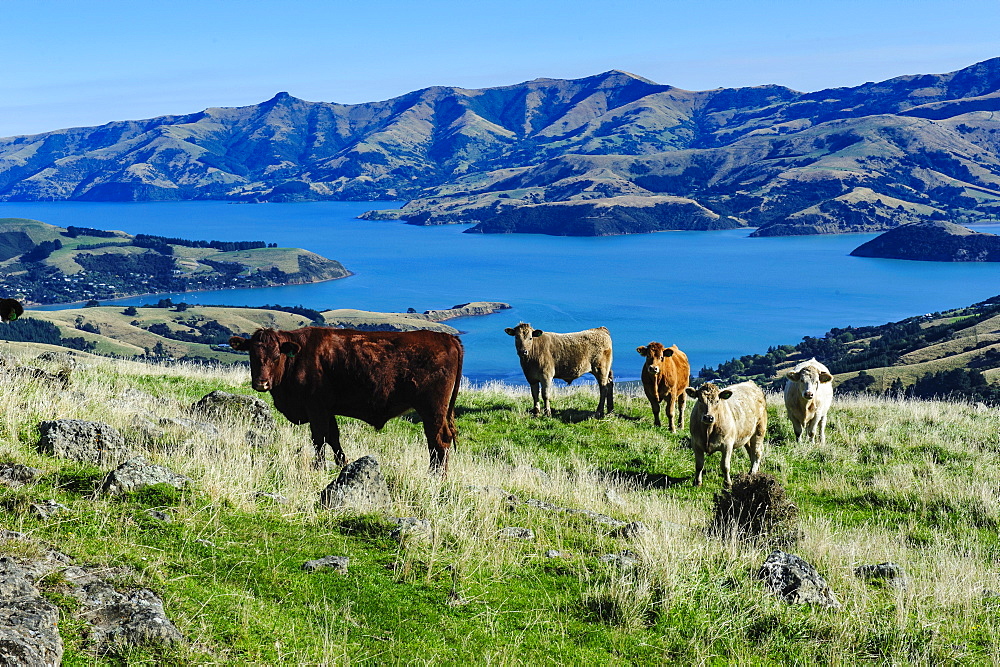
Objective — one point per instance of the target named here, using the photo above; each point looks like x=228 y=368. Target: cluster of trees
x=151 y=240
x=74 y=232
x=209 y=332
x=41 y=251
x=30 y=330
x=956 y=384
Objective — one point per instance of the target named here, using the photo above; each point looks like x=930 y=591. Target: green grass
x=912 y=482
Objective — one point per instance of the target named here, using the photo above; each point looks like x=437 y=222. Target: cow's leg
x=325 y=431
x=546 y=386
x=680 y=409
x=655 y=405
x=699 y=466
x=534 y=397
x=670 y=398
x=727 y=459
x=797 y=427
x=605 y=390
x=822 y=430
x=439 y=436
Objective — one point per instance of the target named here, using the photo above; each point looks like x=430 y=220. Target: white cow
x=808 y=396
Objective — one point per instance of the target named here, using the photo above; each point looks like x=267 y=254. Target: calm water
x=715 y=294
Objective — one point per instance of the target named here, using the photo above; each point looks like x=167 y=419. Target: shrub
x=756 y=508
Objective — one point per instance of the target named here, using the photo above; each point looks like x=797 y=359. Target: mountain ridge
x=758 y=154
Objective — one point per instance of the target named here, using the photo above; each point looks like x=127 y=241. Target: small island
x=933 y=241
x=608 y=216
x=46 y=264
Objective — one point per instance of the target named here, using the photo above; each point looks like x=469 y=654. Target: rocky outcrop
x=29 y=631
x=360 y=486
x=796 y=581
x=223 y=405
x=934 y=241
x=87 y=442
x=136 y=473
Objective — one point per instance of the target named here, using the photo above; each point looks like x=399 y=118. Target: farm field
x=912 y=482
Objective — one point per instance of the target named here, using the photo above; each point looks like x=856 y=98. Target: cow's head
x=270 y=352
x=655 y=353
x=710 y=397
x=10 y=309
x=524 y=336
x=810 y=378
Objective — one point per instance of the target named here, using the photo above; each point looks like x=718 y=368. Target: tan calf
x=545 y=356
x=665 y=376
x=724 y=420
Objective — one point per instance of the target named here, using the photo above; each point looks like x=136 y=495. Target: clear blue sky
x=69 y=63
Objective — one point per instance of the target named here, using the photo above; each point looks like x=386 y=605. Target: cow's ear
x=510 y=332
x=238 y=343
x=691 y=392
x=642 y=350
x=825 y=377
x=10 y=309
x=289 y=349
x=793 y=376
x=536 y=333
x=668 y=352
x=725 y=393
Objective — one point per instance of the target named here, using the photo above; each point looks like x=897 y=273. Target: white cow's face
x=524 y=337
x=710 y=398
x=810 y=379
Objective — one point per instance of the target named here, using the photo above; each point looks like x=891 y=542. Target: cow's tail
x=452 y=429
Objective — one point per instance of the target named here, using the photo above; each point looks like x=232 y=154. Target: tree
x=131 y=311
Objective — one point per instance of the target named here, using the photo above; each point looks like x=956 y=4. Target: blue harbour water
x=715 y=294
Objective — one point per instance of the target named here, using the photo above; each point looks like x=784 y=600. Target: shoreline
x=66 y=305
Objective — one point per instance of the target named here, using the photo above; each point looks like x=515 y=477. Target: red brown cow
x=317 y=373
x=665 y=376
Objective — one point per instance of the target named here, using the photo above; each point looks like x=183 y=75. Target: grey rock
x=29 y=632
x=135 y=619
x=796 y=581
x=137 y=473
x=360 y=486
x=13 y=535
x=888 y=574
x=47 y=508
x=223 y=405
x=555 y=553
x=257 y=440
x=517 y=533
x=273 y=497
x=60 y=379
x=630 y=530
x=87 y=442
x=597 y=517
x=160 y=516
x=206 y=543
x=59 y=358
x=411 y=527
x=543 y=505
x=622 y=559
x=191 y=425
x=336 y=563
x=18 y=474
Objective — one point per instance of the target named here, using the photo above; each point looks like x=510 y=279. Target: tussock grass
x=908 y=481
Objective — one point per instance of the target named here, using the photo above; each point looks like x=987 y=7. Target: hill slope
x=952 y=353
x=42 y=263
x=904 y=481
x=767 y=155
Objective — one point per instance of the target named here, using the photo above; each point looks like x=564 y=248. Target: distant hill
x=867 y=157
x=935 y=241
x=42 y=263
x=951 y=353
x=168 y=330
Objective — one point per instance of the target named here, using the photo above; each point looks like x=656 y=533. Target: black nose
x=708 y=419
x=809 y=394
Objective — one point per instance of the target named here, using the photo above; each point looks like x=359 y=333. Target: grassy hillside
x=892 y=356
x=42 y=263
x=907 y=481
